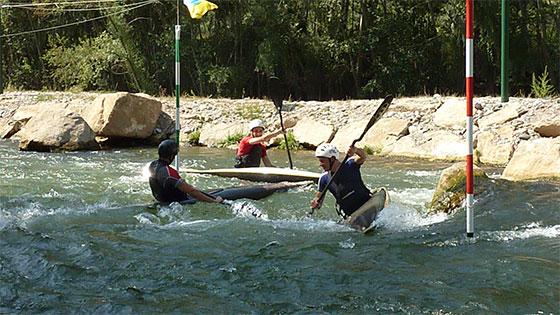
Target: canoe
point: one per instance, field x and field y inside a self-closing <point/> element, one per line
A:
<point x="261" y="174"/>
<point x="254" y="192"/>
<point x="363" y="218"/>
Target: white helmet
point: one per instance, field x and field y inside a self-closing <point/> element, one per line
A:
<point x="326" y="150"/>
<point x="255" y="123"/>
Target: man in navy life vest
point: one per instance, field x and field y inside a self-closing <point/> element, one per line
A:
<point x="165" y="182"/>
<point x="348" y="188"/>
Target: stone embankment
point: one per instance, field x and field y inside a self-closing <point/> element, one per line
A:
<point x="521" y="135"/>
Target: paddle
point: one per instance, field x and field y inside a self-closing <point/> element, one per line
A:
<point x="374" y="118"/>
<point x="276" y="93"/>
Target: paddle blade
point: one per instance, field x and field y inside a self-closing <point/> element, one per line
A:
<point x="275" y="91"/>
<point x="381" y="110"/>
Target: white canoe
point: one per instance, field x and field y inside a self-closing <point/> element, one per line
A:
<point x="261" y="174"/>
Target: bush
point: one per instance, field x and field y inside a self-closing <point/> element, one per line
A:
<point x="542" y="87"/>
<point x="231" y="140"/>
<point x="293" y="144"/>
<point x="94" y="63"/>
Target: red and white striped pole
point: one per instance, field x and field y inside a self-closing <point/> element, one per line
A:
<point x="469" y="45"/>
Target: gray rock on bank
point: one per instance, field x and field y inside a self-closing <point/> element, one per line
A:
<point x="123" y="115"/>
<point x="417" y="127"/>
<point x="57" y="129"/>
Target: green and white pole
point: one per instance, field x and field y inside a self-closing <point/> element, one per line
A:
<point x="505" y="52"/>
<point x="177" y="84"/>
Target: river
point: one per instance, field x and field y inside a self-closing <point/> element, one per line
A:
<point x="77" y="236"/>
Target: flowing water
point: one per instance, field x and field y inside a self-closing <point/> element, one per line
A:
<point x="77" y="236"/>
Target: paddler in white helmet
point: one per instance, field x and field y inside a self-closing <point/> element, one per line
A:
<point x="251" y="148"/>
<point x="348" y="188"/>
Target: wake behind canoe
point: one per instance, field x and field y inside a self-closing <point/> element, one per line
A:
<point x="261" y="174"/>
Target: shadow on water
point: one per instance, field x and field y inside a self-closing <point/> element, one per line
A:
<point x="77" y="233"/>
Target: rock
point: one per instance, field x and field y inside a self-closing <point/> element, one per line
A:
<point x="549" y="128"/>
<point x="345" y="135"/>
<point x="452" y="114"/>
<point x="439" y="144"/>
<point x="123" y="115"/>
<point x="451" y="189"/>
<point x="57" y="129"/>
<point x="385" y="133"/>
<point x="165" y="126"/>
<point x="495" y="147"/>
<point x="504" y="115"/>
<point x="321" y="132"/>
<point x="213" y="134"/>
<point x="539" y="158"/>
<point x="21" y="116"/>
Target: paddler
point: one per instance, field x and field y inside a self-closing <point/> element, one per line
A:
<point x="252" y="149"/>
<point x="165" y="182"/>
<point x="351" y="194"/>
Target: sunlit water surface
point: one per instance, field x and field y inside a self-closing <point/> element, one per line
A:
<point x="76" y="235"/>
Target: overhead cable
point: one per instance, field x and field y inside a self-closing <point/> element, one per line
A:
<point x="137" y="5"/>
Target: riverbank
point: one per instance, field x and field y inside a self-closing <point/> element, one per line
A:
<point x="522" y="135"/>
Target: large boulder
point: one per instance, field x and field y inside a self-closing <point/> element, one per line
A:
<point x="502" y="116"/>
<point x="495" y="146"/>
<point x="452" y="187"/>
<point x="57" y="129"/>
<point x="165" y="127"/>
<point x="534" y="159"/>
<point x="452" y="114"/>
<point x="311" y="133"/>
<point x="385" y="133"/>
<point x="20" y="117"/>
<point x="213" y="134"/>
<point x="123" y="115"/>
<point x="345" y="135"/>
<point x="439" y="144"/>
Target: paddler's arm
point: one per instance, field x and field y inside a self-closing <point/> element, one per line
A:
<point x="315" y="204"/>
<point x="267" y="162"/>
<point x="265" y="138"/>
<point x="195" y="193"/>
<point x="360" y="155"/>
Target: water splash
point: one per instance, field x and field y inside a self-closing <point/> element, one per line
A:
<point x="247" y="209"/>
<point x="527" y="231"/>
<point x="399" y="218"/>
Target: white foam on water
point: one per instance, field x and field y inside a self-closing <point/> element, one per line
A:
<point x="412" y="196"/>
<point x="247" y="209"/>
<point x="531" y="230"/>
<point x="422" y="173"/>
<point x="347" y="244"/>
<point x="399" y="218"/>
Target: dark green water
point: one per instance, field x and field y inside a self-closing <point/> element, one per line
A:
<point x="75" y="238"/>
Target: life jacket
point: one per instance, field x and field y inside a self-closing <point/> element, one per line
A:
<point x="251" y="159"/>
<point x="349" y="189"/>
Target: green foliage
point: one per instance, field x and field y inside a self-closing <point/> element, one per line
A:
<point x="321" y="49"/>
<point x="371" y="151"/>
<point x="92" y="64"/>
<point x="541" y="87"/>
<point x="44" y="98"/>
<point x="231" y="140"/>
<point x="194" y="137"/>
<point x="219" y="76"/>
<point x="293" y="144"/>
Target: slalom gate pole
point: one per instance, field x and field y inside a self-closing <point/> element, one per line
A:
<point x="469" y="95"/>
<point x="177" y="84"/>
<point x="505" y="52"/>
